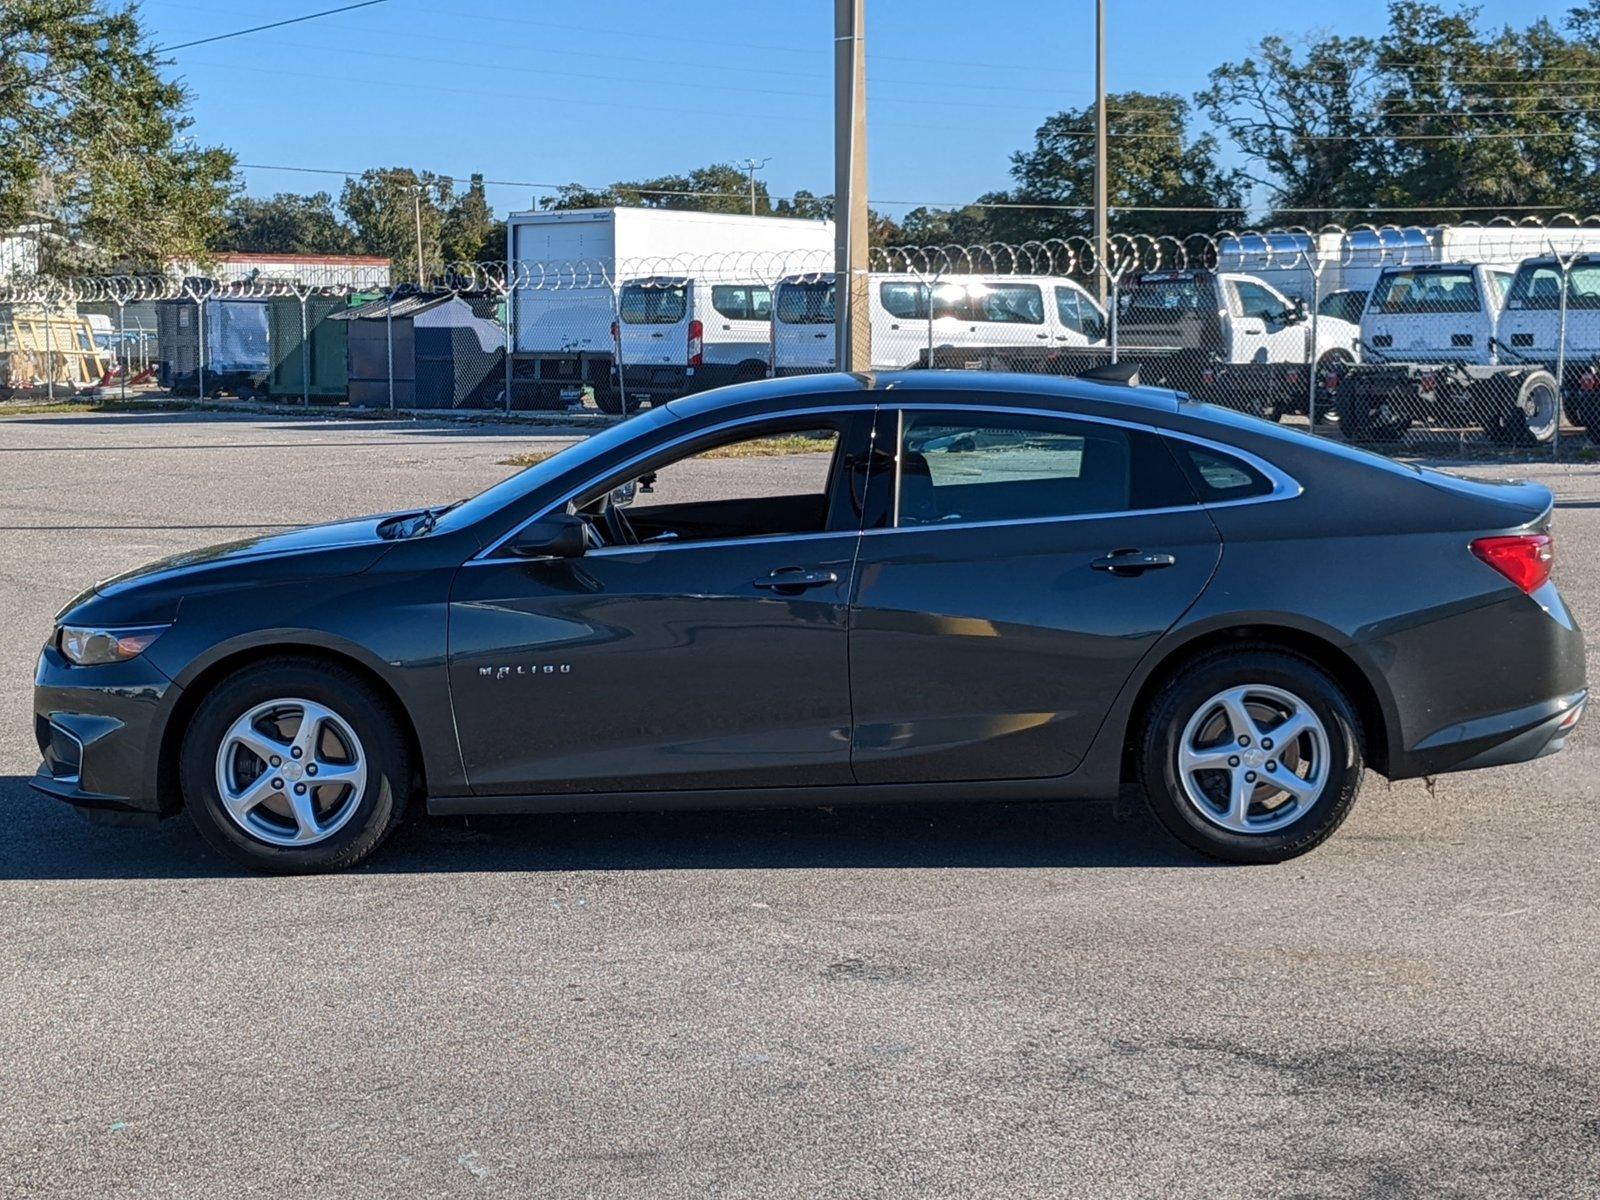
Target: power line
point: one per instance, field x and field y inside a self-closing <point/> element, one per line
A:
<point x="222" y="37"/>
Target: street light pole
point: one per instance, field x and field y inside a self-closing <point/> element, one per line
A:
<point x="1101" y="214"/>
<point x="853" y="328"/>
<point x="752" y="165"/>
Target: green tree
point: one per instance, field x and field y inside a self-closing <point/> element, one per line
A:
<point x="287" y="223"/>
<point x="1434" y="114"/>
<point x="720" y="187"/>
<point x="92" y="138"/>
<point x="384" y="206"/>
<point x="469" y="232"/>
<point x="1152" y="164"/>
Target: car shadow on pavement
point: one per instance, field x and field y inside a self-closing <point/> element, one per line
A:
<point x="43" y="839"/>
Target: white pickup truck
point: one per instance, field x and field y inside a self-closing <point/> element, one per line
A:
<point x="1227" y="338"/>
<point x="1530" y="330"/>
<point x="1430" y="352"/>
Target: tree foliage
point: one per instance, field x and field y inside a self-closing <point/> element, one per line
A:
<point x="1435" y="114"/>
<point x="384" y="208"/>
<point x="287" y="223"/>
<point x="92" y="139"/>
<point x="1153" y="163"/>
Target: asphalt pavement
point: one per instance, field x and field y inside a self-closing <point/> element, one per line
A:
<point x="962" y="1000"/>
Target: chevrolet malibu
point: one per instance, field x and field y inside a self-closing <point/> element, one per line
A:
<point x="829" y="590"/>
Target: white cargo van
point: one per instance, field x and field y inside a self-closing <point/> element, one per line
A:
<point x="683" y="335"/>
<point x="570" y="270"/>
<point x="915" y="316"/>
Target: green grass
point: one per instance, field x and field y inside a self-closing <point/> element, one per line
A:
<point x="29" y="408"/>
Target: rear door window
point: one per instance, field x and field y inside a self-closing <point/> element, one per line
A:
<point x="654" y="304"/>
<point x="906" y="300"/>
<point x="1008" y="303"/>
<point x="807" y="303"/>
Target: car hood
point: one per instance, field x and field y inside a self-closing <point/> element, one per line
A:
<point x="341" y="547"/>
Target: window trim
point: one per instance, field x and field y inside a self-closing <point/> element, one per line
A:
<point x="1284" y="486"/>
<point x="489" y="553"/>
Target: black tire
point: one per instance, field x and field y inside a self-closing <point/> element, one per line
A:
<point x="381" y="805"/>
<point x="1334" y="362"/>
<point x="1532" y="416"/>
<point x="1361" y="419"/>
<point x="1188" y="691"/>
<point x="608" y="399"/>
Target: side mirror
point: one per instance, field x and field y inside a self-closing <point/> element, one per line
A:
<point x="623" y="494"/>
<point x="560" y="535"/>
<point x="1297" y="312"/>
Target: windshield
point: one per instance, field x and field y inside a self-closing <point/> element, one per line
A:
<point x="508" y="491"/>
<point x="1537" y="287"/>
<point x="1157" y="301"/>
<point x="1405" y="293"/>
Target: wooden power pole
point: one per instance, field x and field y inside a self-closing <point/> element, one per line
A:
<point x="1101" y="211"/>
<point x="853" y="324"/>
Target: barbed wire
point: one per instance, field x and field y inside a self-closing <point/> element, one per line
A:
<point x="1290" y="248"/>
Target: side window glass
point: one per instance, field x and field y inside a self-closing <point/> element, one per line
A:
<point x="768" y="483"/>
<point x="908" y="301"/>
<point x="741" y="302"/>
<point x="1009" y="303"/>
<point x="1216" y="476"/>
<point x="1256" y="301"/>
<point x="956" y="468"/>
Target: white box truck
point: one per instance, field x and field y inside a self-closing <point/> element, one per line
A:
<point x="685" y="296"/>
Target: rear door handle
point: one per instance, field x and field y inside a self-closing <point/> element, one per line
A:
<point x="1133" y="562"/>
<point x="796" y="579"/>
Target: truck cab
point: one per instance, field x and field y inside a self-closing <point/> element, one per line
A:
<point x="1530" y="329"/>
<point x="1435" y="312"/>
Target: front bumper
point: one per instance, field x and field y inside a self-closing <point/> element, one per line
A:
<point x="99" y="733"/>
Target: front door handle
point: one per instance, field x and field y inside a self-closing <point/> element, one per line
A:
<point x="1133" y="562"/>
<point x="795" y="579"/>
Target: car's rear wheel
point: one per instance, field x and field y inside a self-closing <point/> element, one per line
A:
<point x="293" y="765"/>
<point x="1251" y="756"/>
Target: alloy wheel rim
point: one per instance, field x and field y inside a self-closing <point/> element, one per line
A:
<point x="291" y="772"/>
<point x="1253" y="759"/>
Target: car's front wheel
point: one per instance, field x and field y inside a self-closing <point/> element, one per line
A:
<point x="1251" y="755"/>
<point x="294" y="765"/>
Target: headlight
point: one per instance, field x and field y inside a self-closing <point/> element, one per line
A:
<point x="90" y="647"/>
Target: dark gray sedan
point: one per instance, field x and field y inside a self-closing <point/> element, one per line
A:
<point x="835" y="590"/>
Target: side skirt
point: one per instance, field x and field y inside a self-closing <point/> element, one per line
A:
<point x="1065" y="788"/>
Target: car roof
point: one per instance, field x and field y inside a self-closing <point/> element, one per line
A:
<point x="1063" y="392"/>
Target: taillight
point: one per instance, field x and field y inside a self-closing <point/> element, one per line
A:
<point x="1428" y="382"/>
<point x="1590" y="381"/>
<point x="1292" y="377"/>
<point x="1523" y="558"/>
<point x="697" y="342"/>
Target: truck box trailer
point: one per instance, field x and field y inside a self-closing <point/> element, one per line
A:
<point x="572" y="266"/>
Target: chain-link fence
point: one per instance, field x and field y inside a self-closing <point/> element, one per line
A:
<point x="1441" y="339"/>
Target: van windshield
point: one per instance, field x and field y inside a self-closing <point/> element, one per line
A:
<point x="805" y="303"/>
<point x="654" y="303"/>
<point x="1406" y="293"/>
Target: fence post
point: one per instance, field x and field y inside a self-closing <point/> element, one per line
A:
<point x="1561" y="356"/>
<point x="1113" y="306"/>
<point x="388" y="333"/>
<point x="305" y="350"/>
<point x="1311" y="339"/>
<point x="49" y="350"/>
<point x="122" y="341"/>
<point x="200" y="354"/>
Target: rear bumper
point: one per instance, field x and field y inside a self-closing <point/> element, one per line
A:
<point x="1498" y="740"/>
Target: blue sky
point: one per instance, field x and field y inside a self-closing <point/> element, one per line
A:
<point x="555" y="91"/>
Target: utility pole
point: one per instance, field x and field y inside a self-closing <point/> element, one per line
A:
<point x="752" y="165"/>
<point x="853" y="328"/>
<point x="422" y="270"/>
<point x="1101" y="213"/>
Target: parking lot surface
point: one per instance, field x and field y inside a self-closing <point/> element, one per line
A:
<point x="960" y="1000"/>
